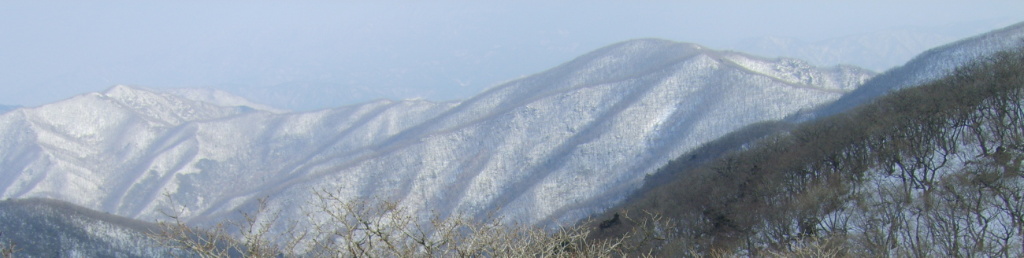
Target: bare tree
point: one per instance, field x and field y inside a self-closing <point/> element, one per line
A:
<point x="254" y="231"/>
<point x="372" y="228"/>
<point x="8" y="248"/>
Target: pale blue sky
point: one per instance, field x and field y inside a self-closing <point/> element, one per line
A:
<point x="338" y="53"/>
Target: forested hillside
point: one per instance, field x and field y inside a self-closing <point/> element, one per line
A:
<point x="925" y="68"/>
<point x="933" y="170"/>
<point x="39" y="227"/>
<point x="550" y="148"/>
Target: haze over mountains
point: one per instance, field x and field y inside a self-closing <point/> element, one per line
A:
<point x="553" y="147"/>
<point x="5" y="108"/>
<point x="558" y="145"/>
<point x="877" y="51"/>
<point x="930" y="65"/>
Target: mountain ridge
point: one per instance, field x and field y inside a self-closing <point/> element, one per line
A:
<point x="927" y="66"/>
<point x="547" y="149"/>
<point x="52" y="228"/>
<point x="551" y="147"/>
<point x="928" y="170"/>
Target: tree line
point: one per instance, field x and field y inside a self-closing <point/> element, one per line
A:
<point x="933" y="170"/>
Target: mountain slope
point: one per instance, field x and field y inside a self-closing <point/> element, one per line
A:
<point x="563" y="143"/>
<point x="109" y="152"/>
<point x="877" y="51"/>
<point x="933" y="170"/>
<point x="49" y="228"/>
<point x="552" y="147"/>
<point x="930" y="65"/>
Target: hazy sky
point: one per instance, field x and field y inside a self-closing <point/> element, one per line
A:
<point x="305" y="55"/>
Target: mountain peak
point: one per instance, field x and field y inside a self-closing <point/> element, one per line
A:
<point x="653" y="43"/>
<point x="165" y="107"/>
<point x="554" y="146"/>
<point x="122" y="89"/>
<point x="639" y="56"/>
<point x="639" y="51"/>
<point x="128" y="94"/>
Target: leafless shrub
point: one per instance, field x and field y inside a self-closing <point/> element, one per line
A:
<point x="340" y="227"/>
<point x="255" y="239"/>
<point x="8" y="248"/>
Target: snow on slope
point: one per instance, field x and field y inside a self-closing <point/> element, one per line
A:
<point x="938" y="62"/>
<point x="50" y="228"/>
<point x="928" y="66"/>
<point x="80" y="148"/>
<point x="552" y="147"/>
<point x="878" y="51"/>
<point x="110" y="152"/>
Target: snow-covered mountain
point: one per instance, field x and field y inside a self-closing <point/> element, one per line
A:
<point x="878" y="51"/>
<point x="51" y="228"/>
<point x="555" y="146"/>
<point x="929" y="66"/>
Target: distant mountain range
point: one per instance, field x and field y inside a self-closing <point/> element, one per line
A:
<point x="5" y="108"/>
<point x="553" y="147"/>
<point x="878" y="51"/>
<point x="928" y="66"/>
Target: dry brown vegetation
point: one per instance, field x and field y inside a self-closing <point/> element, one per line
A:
<point x="928" y="171"/>
<point x="7" y="248"/>
<point x="345" y="228"/>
